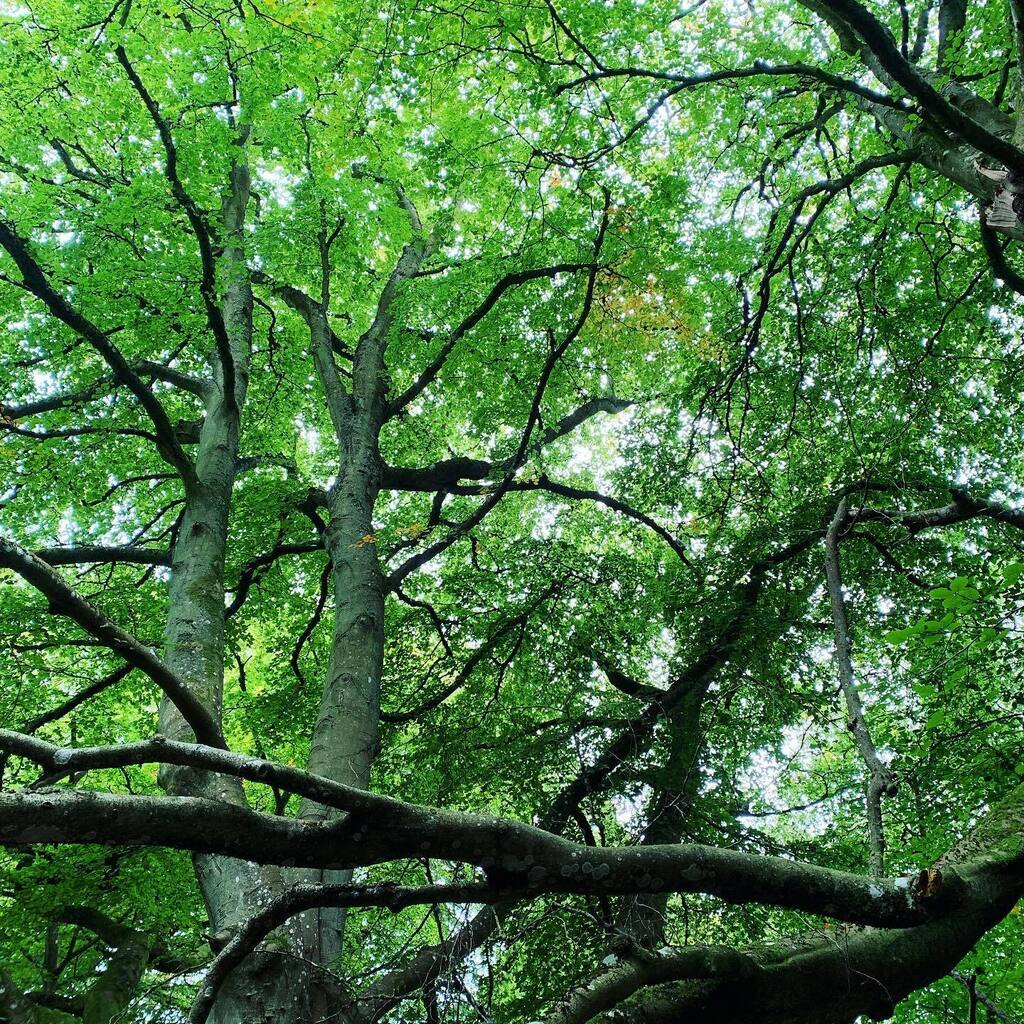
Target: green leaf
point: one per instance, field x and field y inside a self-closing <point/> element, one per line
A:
<point x="1013" y="572"/>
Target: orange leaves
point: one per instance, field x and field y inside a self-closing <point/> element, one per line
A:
<point x="412" y="532"/>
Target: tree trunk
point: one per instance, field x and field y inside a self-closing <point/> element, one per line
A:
<point x="643" y="917"/>
<point x="346" y="738"/>
<point x="194" y="640"/>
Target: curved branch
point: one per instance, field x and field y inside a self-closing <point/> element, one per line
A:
<point x="36" y="281"/>
<point x="448" y="472"/>
<point x="878" y="40"/>
<point x="510" y="624"/>
<point x="507" y="283"/>
<point x="208" y="283"/>
<point x="300" y="898"/>
<point x="760" y="69"/>
<point x="581" y="494"/>
<point x="65" y="601"/>
<point x="997" y="259"/>
<point x="377" y="829"/>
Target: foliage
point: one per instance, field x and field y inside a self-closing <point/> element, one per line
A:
<point x="772" y="334"/>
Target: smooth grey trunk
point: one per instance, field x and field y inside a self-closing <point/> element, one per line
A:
<point x="346" y="737"/>
<point x="194" y="637"/>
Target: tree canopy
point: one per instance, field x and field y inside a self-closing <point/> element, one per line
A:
<point x="511" y="512"/>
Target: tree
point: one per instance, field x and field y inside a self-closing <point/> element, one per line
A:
<point x="511" y="512"/>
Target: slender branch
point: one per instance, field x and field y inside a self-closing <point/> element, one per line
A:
<point x="760" y="69"/>
<point x="993" y="1008"/>
<point x="249" y="572"/>
<point x="208" y="282"/>
<point x="66" y="707"/>
<point x="510" y="281"/>
<point x="880" y="780"/>
<point x="36" y="281"/>
<point x="449" y="472"/>
<point x="557" y="351"/>
<point x="87" y="693"/>
<point x="482" y="652"/>
<point x="300" y="898"/>
<point x="65" y="601"/>
<point x="582" y="494"/>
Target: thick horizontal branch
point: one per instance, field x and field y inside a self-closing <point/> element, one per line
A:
<point x="441" y="475"/>
<point x="857" y="975"/>
<point x="627" y="684"/>
<point x="47" y="403"/>
<point x="962" y="508"/>
<point x="92" y="553"/>
<point x="377" y="829"/>
<point x="182" y="381"/>
<point x="630" y="974"/>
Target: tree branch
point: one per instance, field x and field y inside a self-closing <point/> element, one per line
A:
<point x="880" y="780"/>
<point x="378" y="829"/>
<point x="36" y="281"/>
<point x="96" y="553"/>
<point x="208" y="282"/>
<point x="65" y="601"/>
<point x="449" y="472"/>
<point x="507" y="283"/>
<point x="877" y="38"/>
<point x="300" y="898"/>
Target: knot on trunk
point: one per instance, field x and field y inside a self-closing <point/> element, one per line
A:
<point x="928" y="884"/>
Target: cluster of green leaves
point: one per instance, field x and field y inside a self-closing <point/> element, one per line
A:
<point x="886" y="354"/>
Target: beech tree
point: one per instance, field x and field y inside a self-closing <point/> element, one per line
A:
<point x="511" y="512"/>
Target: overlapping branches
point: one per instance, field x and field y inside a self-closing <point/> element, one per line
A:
<point x="524" y="859"/>
<point x="63" y="600"/>
<point x="197" y="222"/>
<point x="38" y="284"/>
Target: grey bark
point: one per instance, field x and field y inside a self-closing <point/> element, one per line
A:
<point x="880" y="780"/>
<point x="232" y="889"/>
<point x="643" y="917"/>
